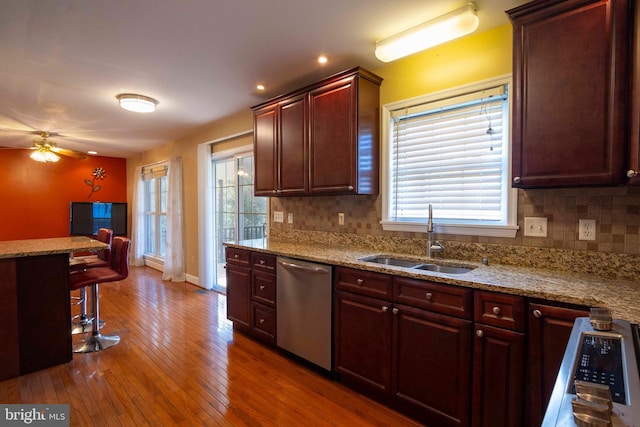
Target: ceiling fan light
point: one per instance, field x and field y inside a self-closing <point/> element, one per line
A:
<point x="137" y="103"/>
<point x="43" y="155"/>
<point x="452" y="25"/>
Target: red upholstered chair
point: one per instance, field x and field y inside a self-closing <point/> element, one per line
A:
<point x="118" y="270"/>
<point x="82" y="322"/>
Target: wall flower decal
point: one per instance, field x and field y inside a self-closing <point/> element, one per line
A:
<point x="98" y="173"/>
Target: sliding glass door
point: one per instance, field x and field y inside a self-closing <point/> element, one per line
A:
<point x="238" y="215"/>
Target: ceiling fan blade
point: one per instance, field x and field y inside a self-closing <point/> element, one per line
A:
<point x="69" y="153"/>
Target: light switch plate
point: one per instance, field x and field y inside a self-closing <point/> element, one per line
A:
<point x="290" y="218"/>
<point x="278" y="216"/>
<point x="535" y="226"/>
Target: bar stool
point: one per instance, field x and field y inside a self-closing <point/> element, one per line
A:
<point x="118" y="270"/>
<point x="82" y="323"/>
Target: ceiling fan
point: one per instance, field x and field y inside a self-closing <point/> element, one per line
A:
<point x="47" y="151"/>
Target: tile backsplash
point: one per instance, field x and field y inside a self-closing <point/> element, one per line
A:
<point x="616" y="211"/>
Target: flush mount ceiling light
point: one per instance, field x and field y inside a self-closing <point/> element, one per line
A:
<point x="137" y="103"/>
<point x="452" y="25"/>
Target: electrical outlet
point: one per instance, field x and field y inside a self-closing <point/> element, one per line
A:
<point x="341" y="218"/>
<point x="535" y="226"/>
<point x="587" y="229"/>
<point x="278" y="216"/>
<point x="290" y="218"/>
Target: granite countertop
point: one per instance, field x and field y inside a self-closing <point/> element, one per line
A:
<point x="56" y="245"/>
<point x="621" y="296"/>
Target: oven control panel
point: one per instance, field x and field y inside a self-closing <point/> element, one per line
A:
<point x="600" y="361"/>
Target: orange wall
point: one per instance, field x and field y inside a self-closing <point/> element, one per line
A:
<point x="34" y="197"/>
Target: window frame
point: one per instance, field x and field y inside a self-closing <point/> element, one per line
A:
<point x="157" y="214"/>
<point x="508" y="228"/>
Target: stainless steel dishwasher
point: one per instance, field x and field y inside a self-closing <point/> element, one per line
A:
<point x="303" y="301"/>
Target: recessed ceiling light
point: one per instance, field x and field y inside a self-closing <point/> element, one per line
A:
<point x="260" y="87"/>
<point x="137" y="103"/>
<point x="93" y="153"/>
<point x="322" y="59"/>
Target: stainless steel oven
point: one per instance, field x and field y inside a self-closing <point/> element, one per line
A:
<point x="598" y="383"/>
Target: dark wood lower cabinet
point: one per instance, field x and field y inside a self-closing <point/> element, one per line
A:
<point x="239" y="296"/>
<point x="432" y="366"/>
<point x="362" y="343"/>
<point x="498" y="377"/>
<point x="548" y="334"/>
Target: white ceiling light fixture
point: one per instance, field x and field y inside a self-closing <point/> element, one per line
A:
<point x="452" y="25"/>
<point x="137" y="103"/>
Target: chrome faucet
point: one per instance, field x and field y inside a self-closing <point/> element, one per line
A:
<point x="432" y="246"/>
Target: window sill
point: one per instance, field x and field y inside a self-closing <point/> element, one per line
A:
<point x="154" y="262"/>
<point x="508" y="231"/>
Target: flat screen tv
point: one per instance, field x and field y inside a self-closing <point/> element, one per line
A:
<point x="85" y="218"/>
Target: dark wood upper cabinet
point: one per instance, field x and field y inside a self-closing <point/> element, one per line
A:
<point x="322" y="139"/>
<point x="633" y="173"/>
<point x="570" y="100"/>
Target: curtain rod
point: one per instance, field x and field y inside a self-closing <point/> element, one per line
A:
<point x="234" y="136"/>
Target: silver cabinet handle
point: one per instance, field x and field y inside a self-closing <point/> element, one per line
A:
<point x="261" y="321"/>
<point x="631" y="173"/>
<point x="496" y="310"/>
<point x="359" y="281"/>
<point x="262" y="262"/>
<point x="537" y="314"/>
<point x="262" y="287"/>
<point x="395" y="311"/>
<point x="517" y="180"/>
<point x="428" y="296"/>
<point x="351" y="187"/>
<point x="236" y="256"/>
<point x="385" y="308"/>
<point x="479" y="333"/>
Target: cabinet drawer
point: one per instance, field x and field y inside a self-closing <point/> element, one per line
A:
<point x="501" y="310"/>
<point x="434" y="297"/>
<point x="363" y="282"/>
<point x="263" y="287"/>
<point x="264" y="262"/>
<point x="238" y="256"/>
<point x="264" y="322"/>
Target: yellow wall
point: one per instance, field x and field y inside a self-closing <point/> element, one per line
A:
<point x="473" y="58"/>
<point x="187" y="148"/>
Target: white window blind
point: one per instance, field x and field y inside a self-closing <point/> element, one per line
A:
<point x="450" y="153"/>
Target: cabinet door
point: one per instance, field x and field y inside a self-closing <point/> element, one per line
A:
<point x="292" y="146"/>
<point x="432" y="366"/>
<point x="239" y="296"/>
<point x="570" y="93"/>
<point x="264" y="151"/>
<point x="498" y="377"/>
<point x="549" y="330"/>
<point x="362" y="343"/>
<point x="333" y="151"/>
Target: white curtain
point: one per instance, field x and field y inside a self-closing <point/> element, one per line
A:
<point x="174" y="258"/>
<point x="137" y="220"/>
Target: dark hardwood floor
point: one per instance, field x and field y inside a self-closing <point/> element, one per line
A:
<point x="179" y="363"/>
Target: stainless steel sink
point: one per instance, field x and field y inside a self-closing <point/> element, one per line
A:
<point x="392" y="261"/>
<point x="418" y="265"/>
<point x="443" y="268"/>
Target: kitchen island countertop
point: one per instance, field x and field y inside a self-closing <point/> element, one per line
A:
<point x="55" y="245"/>
<point x="621" y="296"/>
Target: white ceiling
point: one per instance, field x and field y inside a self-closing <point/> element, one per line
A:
<point x="63" y="62"/>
